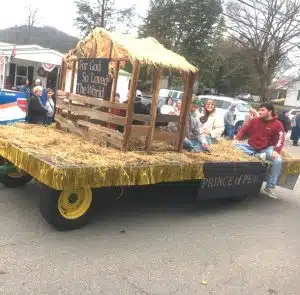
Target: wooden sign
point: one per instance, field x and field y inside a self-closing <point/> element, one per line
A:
<point x="92" y="77"/>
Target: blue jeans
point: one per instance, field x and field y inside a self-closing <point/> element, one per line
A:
<point x="192" y="145"/>
<point x="229" y="131"/>
<point x="276" y="163"/>
<point x="196" y="145"/>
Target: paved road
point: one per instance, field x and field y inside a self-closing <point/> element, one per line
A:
<point x="153" y="244"/>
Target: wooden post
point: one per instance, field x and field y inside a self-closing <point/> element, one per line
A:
<point x="131" y="100"/>
<point x="110" y="48"/>
<point x="73" y="76"/>
<point x="156" y="85"/>
<point x="93" y="52"/>
<point x="62" y="76"/>
<point x="186" y="105"/>
<point x="115" y="81"/>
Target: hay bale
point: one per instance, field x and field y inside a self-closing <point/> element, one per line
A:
<point x="67" y="149"/>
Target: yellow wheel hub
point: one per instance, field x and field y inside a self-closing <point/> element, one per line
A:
<point x="74" y="204"/>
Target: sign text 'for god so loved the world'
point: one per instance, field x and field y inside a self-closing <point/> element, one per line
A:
<point x="92" y="77"/>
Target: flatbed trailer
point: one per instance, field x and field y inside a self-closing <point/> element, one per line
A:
<point x="85" y="101"/>
<point x="70" y="205"/>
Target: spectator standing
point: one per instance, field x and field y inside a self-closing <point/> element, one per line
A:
<point x="50" y="106"/>
<point x="295" y="135"/>
<point x="229" y="121"/>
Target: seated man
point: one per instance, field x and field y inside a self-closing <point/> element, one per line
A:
<point x="192" y="142"/>
<point x="265" y="139"/>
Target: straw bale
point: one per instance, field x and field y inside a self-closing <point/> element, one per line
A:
<point x="146" y="50"/>
<point x="67" y="149"/>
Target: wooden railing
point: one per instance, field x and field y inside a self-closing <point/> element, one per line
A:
<point x="92" y="118"/>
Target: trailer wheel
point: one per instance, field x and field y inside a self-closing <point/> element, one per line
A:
<point x="67" y="210"/>
<point x="15" y="179"/>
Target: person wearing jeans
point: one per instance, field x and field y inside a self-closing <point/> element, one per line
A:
<point x="265" y="154"/>
<point x="265" y="140"/>
<point x="229" y="121"/>
<point x="192" y="141"/>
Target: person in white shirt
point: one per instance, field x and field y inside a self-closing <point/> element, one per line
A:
<point x="168" y="108"/>
<point x="50" y="106"/>
<point x="212" y="127"/>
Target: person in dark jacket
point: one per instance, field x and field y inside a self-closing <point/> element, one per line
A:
<point x="295" y="129"/>
<point x="36" y="113"/>
<point x="283" y="117"/>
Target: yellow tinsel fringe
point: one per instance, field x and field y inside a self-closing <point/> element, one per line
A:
<point x="61" y="178"/>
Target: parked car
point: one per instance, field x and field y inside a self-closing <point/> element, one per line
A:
<point x="13" y="105"/>
<point x="222" y="105"/>
<point x="245" y="96"/>
<point x="174" y="94"/>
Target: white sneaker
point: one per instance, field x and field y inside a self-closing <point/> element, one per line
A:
<point x="261" y="156"/>
<point x="270" y="193"/>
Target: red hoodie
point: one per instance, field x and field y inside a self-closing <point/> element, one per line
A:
<point x="263" y="133"/>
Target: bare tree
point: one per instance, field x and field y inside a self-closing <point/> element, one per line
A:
<point x="101" y="13"/>
<point x="31" y="21"/>
<point x="269" y="30"/>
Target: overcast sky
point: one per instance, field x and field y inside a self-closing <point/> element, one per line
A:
<point x="57" y="13"/>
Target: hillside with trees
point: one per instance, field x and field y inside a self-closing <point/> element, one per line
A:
<point x="48" y="37"/>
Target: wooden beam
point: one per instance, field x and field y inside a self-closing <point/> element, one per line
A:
<point x="131" y="100"/>
<point x="62" y="77"/>
<point x="121" y="59"/>
<point x="160" y="135"/>
<point x="68" y="124"/>
<point x="110" y="48"/>
<point x="73" y="76"/>
<point x="156" y="85"/>
<point x="90" y="100"/>
<point x="93" y="52"/>
<point x="115" y="81"/>
<point x="187" y="101"/>
<point x="101" y="129"/>
<point x="92" y="114"/>
<point x="96" y="138"/>
<point x="159" y="118"/>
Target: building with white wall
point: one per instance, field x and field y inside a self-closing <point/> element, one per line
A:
<point x="28" y="61"/>
<point x="293" y="93"/>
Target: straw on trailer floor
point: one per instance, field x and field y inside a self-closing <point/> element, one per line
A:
<point x="63" y="160"/>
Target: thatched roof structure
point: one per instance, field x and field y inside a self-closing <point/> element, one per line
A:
<point x="148" y="51"/>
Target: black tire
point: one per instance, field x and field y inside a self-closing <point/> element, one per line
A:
<point x="14" y="182"/>
<point x="238" y="127"/>
<point x="50" y="212"/>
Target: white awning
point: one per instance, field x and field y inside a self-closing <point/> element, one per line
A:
<point x="33" y="53"/>
<point x="49" y="57"/>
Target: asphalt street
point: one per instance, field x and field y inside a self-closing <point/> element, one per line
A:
<point x="153" y="243"/>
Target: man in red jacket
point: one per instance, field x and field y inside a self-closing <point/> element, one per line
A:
<point x="265" y="140"/>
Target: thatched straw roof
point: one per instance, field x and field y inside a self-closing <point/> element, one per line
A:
<point x="146" y="50"/>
